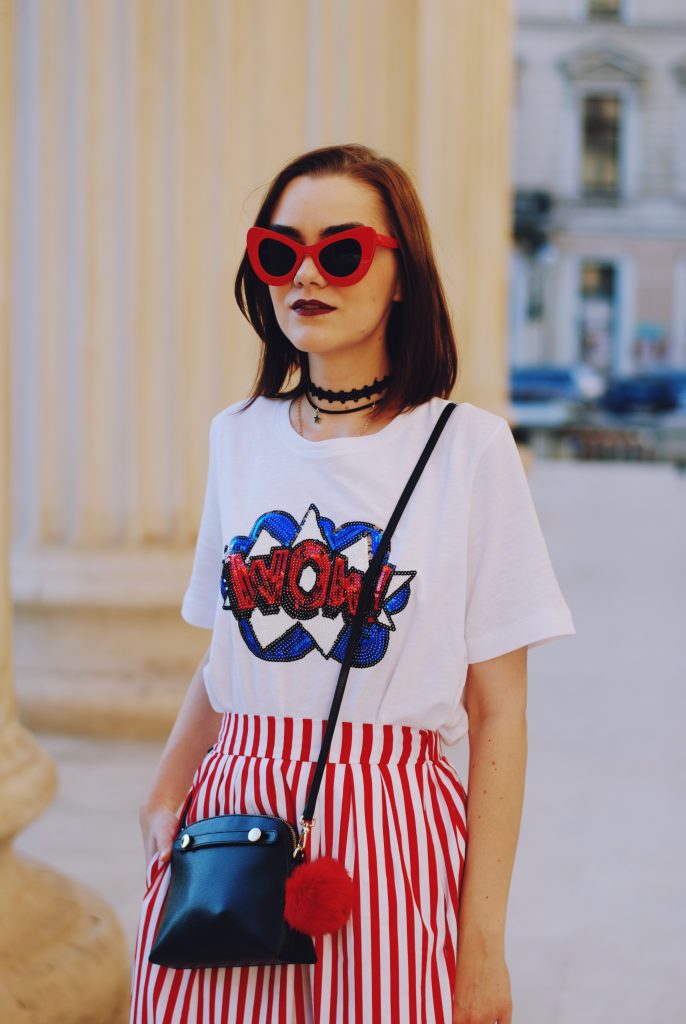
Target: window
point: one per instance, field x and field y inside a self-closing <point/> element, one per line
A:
<point x="606" y="10"/>
<point x="598" y="312"/>
<point x="601" y="143"/>
<point x="600" y="175"/>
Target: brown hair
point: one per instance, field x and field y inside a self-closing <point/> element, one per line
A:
<point x="419" y="335"/>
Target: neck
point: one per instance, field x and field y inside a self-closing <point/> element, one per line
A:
<point x="344" y="377"/>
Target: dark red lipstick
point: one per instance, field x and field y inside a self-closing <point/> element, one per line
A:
<point x="311" y="307"/>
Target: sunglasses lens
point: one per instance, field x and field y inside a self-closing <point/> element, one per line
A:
<point x="341" y="259"/>
<point x="275" y="257"/>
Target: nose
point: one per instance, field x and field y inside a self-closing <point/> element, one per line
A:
<point x="307" y="271"/>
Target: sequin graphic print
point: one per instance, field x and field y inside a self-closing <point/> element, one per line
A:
<point x="293" y="587"/>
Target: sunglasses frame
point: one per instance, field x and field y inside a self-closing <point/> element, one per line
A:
<point x="368" y="238"/>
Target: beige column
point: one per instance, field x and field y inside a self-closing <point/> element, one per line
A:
<point x="361" y="73"/>
<point x="62" y="952"/>
<point x="464" y="83"/>
<point x="148" y="129"/>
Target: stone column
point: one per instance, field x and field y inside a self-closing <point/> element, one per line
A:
<point x="146" y="132"/>
<point x="464" y="99"/>
<point x="62" y="953"/>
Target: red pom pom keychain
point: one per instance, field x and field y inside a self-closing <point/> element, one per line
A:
<point x="319" y="893"/>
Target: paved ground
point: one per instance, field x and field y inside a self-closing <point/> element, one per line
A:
<point x="595" y="924"/>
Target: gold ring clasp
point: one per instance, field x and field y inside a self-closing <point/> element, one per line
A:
<point x="302" y="838"/>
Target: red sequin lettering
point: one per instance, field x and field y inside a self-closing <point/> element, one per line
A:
<point x="314" y="554"/>
<point x="345" y="586"/>
<point x="267" y="580"/>
<point x="242" y="593"/>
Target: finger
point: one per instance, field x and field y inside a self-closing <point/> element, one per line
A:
<point x="165" y="846"/>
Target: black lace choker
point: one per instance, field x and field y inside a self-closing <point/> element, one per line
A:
<point x="349" y="396"/>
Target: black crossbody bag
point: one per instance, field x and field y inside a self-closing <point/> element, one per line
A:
<point x="232" y="875"/>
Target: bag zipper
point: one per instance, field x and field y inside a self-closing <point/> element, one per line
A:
<point x="288" y="825"/>
<point x="298" y="843"/>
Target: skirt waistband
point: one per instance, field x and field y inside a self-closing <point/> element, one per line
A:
<point x="300" y="739"/>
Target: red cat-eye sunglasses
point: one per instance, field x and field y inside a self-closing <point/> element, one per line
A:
<point x="343" y="258"/>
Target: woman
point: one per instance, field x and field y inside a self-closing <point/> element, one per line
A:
<point x="301" y="482"/>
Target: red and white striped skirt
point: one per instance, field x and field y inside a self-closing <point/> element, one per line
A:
<point x="393" y="809"/>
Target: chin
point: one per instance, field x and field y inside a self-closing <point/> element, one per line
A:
<point x="319" y="350"/>
<point x="311" y="340"/>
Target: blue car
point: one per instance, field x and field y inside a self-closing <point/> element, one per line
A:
<point x="549" y="395"/>
<point x="545" y="382"/>
<point x="655" y="391"/>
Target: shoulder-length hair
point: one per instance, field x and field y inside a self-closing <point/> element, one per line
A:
<point x="419" y="335"/>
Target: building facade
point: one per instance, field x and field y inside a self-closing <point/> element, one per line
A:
<point x="598" y="272"/>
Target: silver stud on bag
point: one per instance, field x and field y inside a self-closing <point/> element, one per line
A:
<point x="185" y="842"/>
<point x="254" y="835"/>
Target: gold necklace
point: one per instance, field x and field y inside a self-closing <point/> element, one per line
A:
<point x="300" y="418"/>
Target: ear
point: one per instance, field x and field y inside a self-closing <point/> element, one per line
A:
<point x="398" y="293"/>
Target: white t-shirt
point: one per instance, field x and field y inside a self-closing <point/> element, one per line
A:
<point x="289" y="526"/>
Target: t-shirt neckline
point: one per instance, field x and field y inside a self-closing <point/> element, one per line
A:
<point x="331" y="446"/>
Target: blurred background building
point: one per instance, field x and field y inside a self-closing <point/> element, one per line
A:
<point x="599" y="172"/>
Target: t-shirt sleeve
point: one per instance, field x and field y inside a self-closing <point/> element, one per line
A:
<point x="200" y="600"/>
<point x="513" y="596"/>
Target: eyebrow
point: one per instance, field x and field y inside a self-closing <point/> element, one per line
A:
<point x="333" y="229"/>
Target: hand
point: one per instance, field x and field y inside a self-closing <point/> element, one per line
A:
<point x="482" y="988"/>
<point x="159" y="826"/>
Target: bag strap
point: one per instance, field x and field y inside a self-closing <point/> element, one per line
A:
<point x="368" y="582"/>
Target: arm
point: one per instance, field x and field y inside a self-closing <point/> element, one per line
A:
<point x="495" y="698"/>
<point x="194" y="731"/>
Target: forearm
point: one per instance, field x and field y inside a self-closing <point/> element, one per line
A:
<point x="497" y="769"/>
<point x="194" y="731"/>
